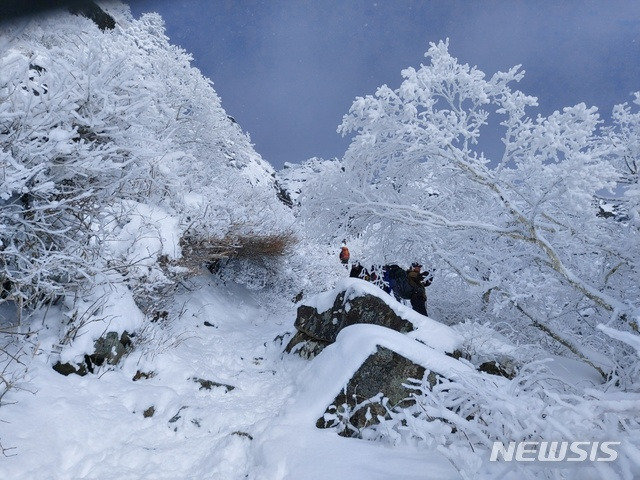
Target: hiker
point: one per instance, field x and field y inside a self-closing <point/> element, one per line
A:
<point x="372" y="276"/>
<point x="418" y="280"/>
<point x="344" y="255"/>
<point x="388" y="282"/>
<point x="358" y="271"/>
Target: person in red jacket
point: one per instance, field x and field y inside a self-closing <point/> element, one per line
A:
<point x="344" y="255"/>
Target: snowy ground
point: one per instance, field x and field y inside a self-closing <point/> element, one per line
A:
<point x="93" y="427"/>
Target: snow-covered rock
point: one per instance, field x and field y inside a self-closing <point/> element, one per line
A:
<point x="353" y="301"/>
<point x="381" y="382"/>
<point x="294" y="448"/>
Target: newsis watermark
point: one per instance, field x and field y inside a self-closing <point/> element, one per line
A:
<point x="543" y="451"/>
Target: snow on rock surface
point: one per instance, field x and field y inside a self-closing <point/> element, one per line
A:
<point x="293" y="448"/>
<point x="94" y="427"/>
<point x="430" y="332"/>
<point x="335" y="365"/>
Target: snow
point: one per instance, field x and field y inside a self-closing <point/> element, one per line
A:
<point x="148" y="232"/>
<point x="259" y="423"/>
<point x="112" y="309"/>
<point x="322" y="455"/>
<point x="430" y="332"/>
<point x="208" y="392"/>
<point x="626" y="337"/>
<point x="573" y="372"/>
<point x="93" y="427"/>
<point x="294" y="449"/>
<point x="60" y="135"/>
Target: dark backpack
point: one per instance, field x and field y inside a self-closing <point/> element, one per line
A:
<point x="398" y="281"/>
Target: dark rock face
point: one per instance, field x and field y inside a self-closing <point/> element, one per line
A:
<point x="305" y="346"/>
<point x="495" y="368"/>
<point x="148" y="413"/>
<point x="93" y="12"/>
<point x="108" y="348"/>
<point x="385" y="371"/>
<point x="67" y="369"/>
<point x="323" y="328"/>
<point x="378" y="385"/>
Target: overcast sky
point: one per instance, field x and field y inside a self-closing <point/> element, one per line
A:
<point x="289" y="70"/>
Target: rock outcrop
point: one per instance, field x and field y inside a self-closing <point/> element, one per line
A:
<point x="382" y="367"/>
<point x="325" y="326"/>
<point x="381" y="382"/>
<point x="397" y="366"/>
<point x="317" y="329"/>
<point x="93" y="12"/>
<point x="110" y="348"/>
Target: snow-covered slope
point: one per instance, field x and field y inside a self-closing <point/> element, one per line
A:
<point x="253" y="424"/>
<point x="94" y="426"/>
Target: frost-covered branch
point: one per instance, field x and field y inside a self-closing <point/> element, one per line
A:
<point x="526" y="224"/>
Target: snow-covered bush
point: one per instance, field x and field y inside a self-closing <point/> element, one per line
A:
<point x="623" y="138"/>
<point x="115" y="155"/>
<point x="305" y="270"/>
<point x="66" y="117"/>
<point x="463" y="418"/>
<point x="297" y="180"/>
<point x="13" y="353"/>
<point x="101" y="134"/>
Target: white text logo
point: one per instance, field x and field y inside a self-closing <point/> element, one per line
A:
<point x="555" y="451"/>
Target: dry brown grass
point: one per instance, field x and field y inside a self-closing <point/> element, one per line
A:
<point x="199" y="251"/>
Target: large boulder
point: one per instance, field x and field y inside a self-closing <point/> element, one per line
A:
<point x="381" y="382"/>
<point x="373" y="373"/>
<point x="317" y="327"/>
<point x="325" y="326"/>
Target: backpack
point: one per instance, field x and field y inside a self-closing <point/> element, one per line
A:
<point x="344" y="253"/>
<point x="398" y="281"/>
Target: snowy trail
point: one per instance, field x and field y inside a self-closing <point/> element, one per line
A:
<point x="93" y="427"/>
<point x="243" y="427"/>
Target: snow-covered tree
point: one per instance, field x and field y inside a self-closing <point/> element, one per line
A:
<point x="623" y="138"/>
<point x="67" y="114"/>
<point x="115" y="153"/>
<point x="297" y="180"/>
<point x="521" y="231"/>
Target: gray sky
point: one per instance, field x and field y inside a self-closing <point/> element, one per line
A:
<point x="289" y="70"/>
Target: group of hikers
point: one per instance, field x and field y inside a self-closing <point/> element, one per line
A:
<point x="403" y="284"/>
